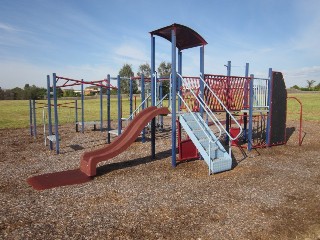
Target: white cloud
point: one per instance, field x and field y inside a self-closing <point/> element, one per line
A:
<point x="132" y="52"/>
<point x="7" y="27"/>
<point x="301" y="75"/>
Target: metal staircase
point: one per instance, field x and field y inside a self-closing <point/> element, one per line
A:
<point x="207" y="143"/>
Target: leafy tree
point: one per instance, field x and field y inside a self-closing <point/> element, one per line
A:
<point x="18" y="93"/>
<point x="317" y="88"/>
<point x="68" y="93"/>
<point x="296" y="87"/>
<point x="1" y="94"/>
<point x="126" y="71"/>
<point x="310" y="83"/>
<point x="145" y="70"/>
<point x="164" y="70"/>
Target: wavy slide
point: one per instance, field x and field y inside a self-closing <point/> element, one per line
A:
<point x="89" y="160"/>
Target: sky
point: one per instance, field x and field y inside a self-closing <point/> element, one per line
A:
<point x="88" y="39"/>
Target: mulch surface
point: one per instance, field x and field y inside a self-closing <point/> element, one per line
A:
<point x="271" y="193"/>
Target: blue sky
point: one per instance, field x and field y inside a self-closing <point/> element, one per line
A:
<point x="90" y="39"/>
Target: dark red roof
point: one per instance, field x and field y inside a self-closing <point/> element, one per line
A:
<point x="185" y="36"/>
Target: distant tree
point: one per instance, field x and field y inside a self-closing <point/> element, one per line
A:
<point x="58" y="91"/>
<point x="18" y="93"/>
<point x="296" y="87"/>
<point x="310" y="83"/>
<point x="68" y="93"/>
<point x="1" y="94"/>
<point x="126" y="72"/>
<point x="164" y="70"/>
<point x="317" y="87"/>
<point x="144" y="69"/>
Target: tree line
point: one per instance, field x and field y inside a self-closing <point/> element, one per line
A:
<point x="28" y="92"/>
<point x="310" y="86"/>
<point x="34" y="92"/>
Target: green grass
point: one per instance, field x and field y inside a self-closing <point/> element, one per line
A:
<point x="310" y="106"/>
<point x="15" y="113"/>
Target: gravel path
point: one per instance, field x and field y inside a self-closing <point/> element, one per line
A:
<point x="270" y="194"/>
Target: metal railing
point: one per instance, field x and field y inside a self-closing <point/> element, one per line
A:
<point x="260" y="93"/>
<point x="202" y="128"/>
<point x="202" y="103"/>
<point x="137" y="110"/>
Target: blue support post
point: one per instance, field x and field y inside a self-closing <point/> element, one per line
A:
<point x="49" y="111"/>
<point x="30" y="115"/>
<point x="245" y="92"/>
<point x="202" y="75"/>
<point x="34" y="119"/>
<point x="174" y="95"/>
<point x="101" y="109"/>
<point x="153" y="98"/>
<point x="119" y="105"/>
<point x="82" y="107"/>
<point x="228" y="99"/>
<point x="76" y="114"/>
<point x="180" y="80"/>
<point x="143" y="105"/>
<point x="251" y="93"/>
<point x="160" y="97"/>
<point x="130" y="96"/>
<point x="270" y="83"/>
<point x="108" y="108"/>
<point x="56" y="121"/>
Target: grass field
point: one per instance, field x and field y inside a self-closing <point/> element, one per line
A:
<point x="15" y="113"/>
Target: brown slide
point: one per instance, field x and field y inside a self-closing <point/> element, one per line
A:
<point x="89" y="160"/>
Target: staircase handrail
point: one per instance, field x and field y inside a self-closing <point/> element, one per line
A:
<point x="136" y="110"/>
<point x="193" y="115"/>
<point x="226" y="109"/>
<point x="205" y="107"/>
<point x="162" y="100"/>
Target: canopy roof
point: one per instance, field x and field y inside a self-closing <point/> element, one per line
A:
<point x="185" y="36"/>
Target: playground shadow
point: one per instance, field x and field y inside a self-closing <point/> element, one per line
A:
<point x="76" y="147"/>
<point x="242" y="154"/>
<point x="289" y="132"/>
<point x="105" y="169"/>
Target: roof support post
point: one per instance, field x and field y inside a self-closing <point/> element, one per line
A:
<point x="108" y="107"/>
<point x="270" y="82"/>
<point x="228" y="100"/>
<point x="179" y="80"/>
<point x="56" y="121"/>
<point x="245" y="103"/>
<point x="119" y="105"/>
<point x="49" y="111"/>
<point x="174" y="96"/>
<point x="153" y="98"/>
<point x="202" y="75"/>
<point x="143" y="96"/>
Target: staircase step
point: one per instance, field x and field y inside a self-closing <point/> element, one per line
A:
<point x="221" y="164"/>
<point x="199" y="132"/>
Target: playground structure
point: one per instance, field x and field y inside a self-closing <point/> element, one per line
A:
<point x="216" y="112"/>
<point x="53" y="136"/>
